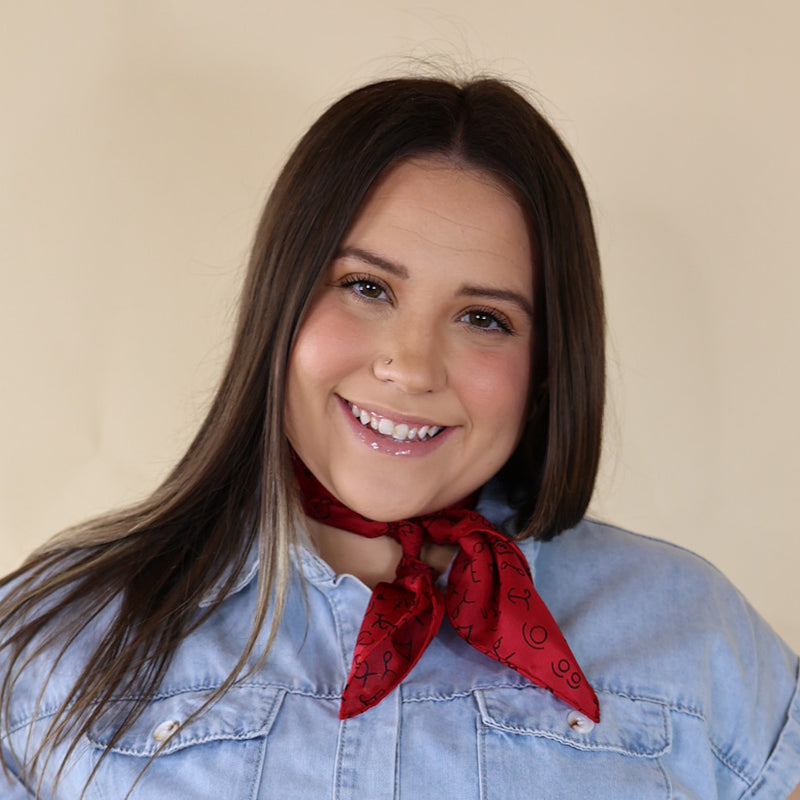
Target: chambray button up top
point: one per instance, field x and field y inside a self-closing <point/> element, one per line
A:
<point x="698" y="698"/>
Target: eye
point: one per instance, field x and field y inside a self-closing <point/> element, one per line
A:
<point x="364" y="287"/>
<point x="486" y="320"/>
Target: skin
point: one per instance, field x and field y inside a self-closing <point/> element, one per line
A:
<point x="436" y="274"/>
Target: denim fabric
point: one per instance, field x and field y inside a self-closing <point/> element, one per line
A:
<point x="698" y="698"/>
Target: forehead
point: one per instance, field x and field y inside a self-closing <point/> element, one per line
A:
<point x="430" y="206"/>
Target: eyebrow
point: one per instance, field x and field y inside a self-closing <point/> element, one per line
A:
<point x="471" y="290"/>
<point x="467" y="289"/>
<point x="375" y="260"/>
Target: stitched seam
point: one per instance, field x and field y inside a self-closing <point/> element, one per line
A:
<point x="165" y="695"/>
<point x="491" y="722"/>
<point x="667" y="781"/>
<point x="238" y="737"/>
<point x="650" y="698"/>
<point x="420" y="698"/>
<point x="726" y="761"/>
<point x="480" y="743"/>
<point x="687" y="712"/>
<point x="585" y="746"/>
<point x="13" y="727"/>
<point x="258" y="768"/>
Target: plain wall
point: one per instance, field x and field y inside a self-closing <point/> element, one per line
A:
<point x="139" y="141"/>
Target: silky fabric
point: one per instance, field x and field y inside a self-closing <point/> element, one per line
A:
<point x="490" y="601"/>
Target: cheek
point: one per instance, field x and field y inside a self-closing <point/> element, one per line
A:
<point x="495" y="386"/>
<point x="327" y="347"/>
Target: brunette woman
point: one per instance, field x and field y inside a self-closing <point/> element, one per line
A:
<point x="370" y="575"/>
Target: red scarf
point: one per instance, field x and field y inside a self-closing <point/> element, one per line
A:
<point x="490" y="601"/>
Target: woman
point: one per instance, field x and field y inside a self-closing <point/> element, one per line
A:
<point x="331" y="594"/>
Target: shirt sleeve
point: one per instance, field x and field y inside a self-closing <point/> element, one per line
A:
<point x="781" y="773"/>
<point x="754" y="722"/>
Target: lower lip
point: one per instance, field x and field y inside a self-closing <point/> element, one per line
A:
<point x="379" y="443"/>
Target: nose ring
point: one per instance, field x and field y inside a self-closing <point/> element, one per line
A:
<point x="388" y="361"/>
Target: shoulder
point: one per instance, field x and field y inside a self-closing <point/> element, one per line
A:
<point x="638" y="577"/>
<point x="650" y="619"/>
<point x="651" y="599"/>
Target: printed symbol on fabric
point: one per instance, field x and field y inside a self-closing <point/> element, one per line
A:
<point x="464" y="631"/>
<point x="534" y="636"/>
<point x="574" y="680"/>
<point x="371" y="700"/>
<point x="473" y="576"/>
<point x="422" y="618"/>
<point x="492" y="611"/>
<point x="383" y="624"/>
<point x="503" y="547"/>
<point x="503" y="659"/>
<point x="516" y="597"/>
<point x="514" y="568"/>
<point x="463" y="601"/>
<point x="409" y="536"/>
<point x="365" y="639"/>
<point x="363" y="674"/>
<point x="388" y="656"/>
<point x="405" y="649"/>
<point x="562" y="670"/>
<point x="402" y="602"/>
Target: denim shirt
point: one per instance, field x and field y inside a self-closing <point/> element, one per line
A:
<point x="698" y="697"/>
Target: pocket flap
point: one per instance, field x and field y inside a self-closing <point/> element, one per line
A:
<point x="628" y="725"/>
<point x="243" y="712"/>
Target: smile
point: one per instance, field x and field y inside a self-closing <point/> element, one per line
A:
<point x="399" y="431"/>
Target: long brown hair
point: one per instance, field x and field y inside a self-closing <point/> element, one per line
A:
<point x="234" y="486"/>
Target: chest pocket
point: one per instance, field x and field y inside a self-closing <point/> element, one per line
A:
<point x="218" y="753"/>
<point x="531" y="744"/>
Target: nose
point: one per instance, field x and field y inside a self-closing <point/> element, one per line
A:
<point x="412" y="358"/>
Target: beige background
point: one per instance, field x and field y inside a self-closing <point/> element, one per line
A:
<point x="139" y="140"/>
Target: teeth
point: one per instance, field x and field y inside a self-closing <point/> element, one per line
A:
<point x="400" y="431"/>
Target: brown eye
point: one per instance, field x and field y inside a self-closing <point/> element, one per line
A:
<point x="368" y="289"/>
<point x="364" y="288"/>
<point x="485" y="321"/>
<point x="480" y="319"/>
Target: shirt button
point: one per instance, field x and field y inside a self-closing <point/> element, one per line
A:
<point x="579" y="723"/>
<point x="165" y="730"/>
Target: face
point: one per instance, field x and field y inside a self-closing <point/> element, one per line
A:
<point x="408" y="382"/>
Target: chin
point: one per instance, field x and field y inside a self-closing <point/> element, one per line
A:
<point x="387" y="511"/>
<point x="382" y="508"/>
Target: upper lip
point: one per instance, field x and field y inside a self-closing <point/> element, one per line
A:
<point x="395" y="416"/>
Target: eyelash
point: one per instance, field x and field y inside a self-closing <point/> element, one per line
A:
<point x="500" y="322"/>
<point x="351" y="281"/>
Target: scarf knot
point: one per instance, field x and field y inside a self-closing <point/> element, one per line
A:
<point x="490" y="600"/>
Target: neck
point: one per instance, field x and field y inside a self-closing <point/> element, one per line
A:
<point x="369" y="560"/>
